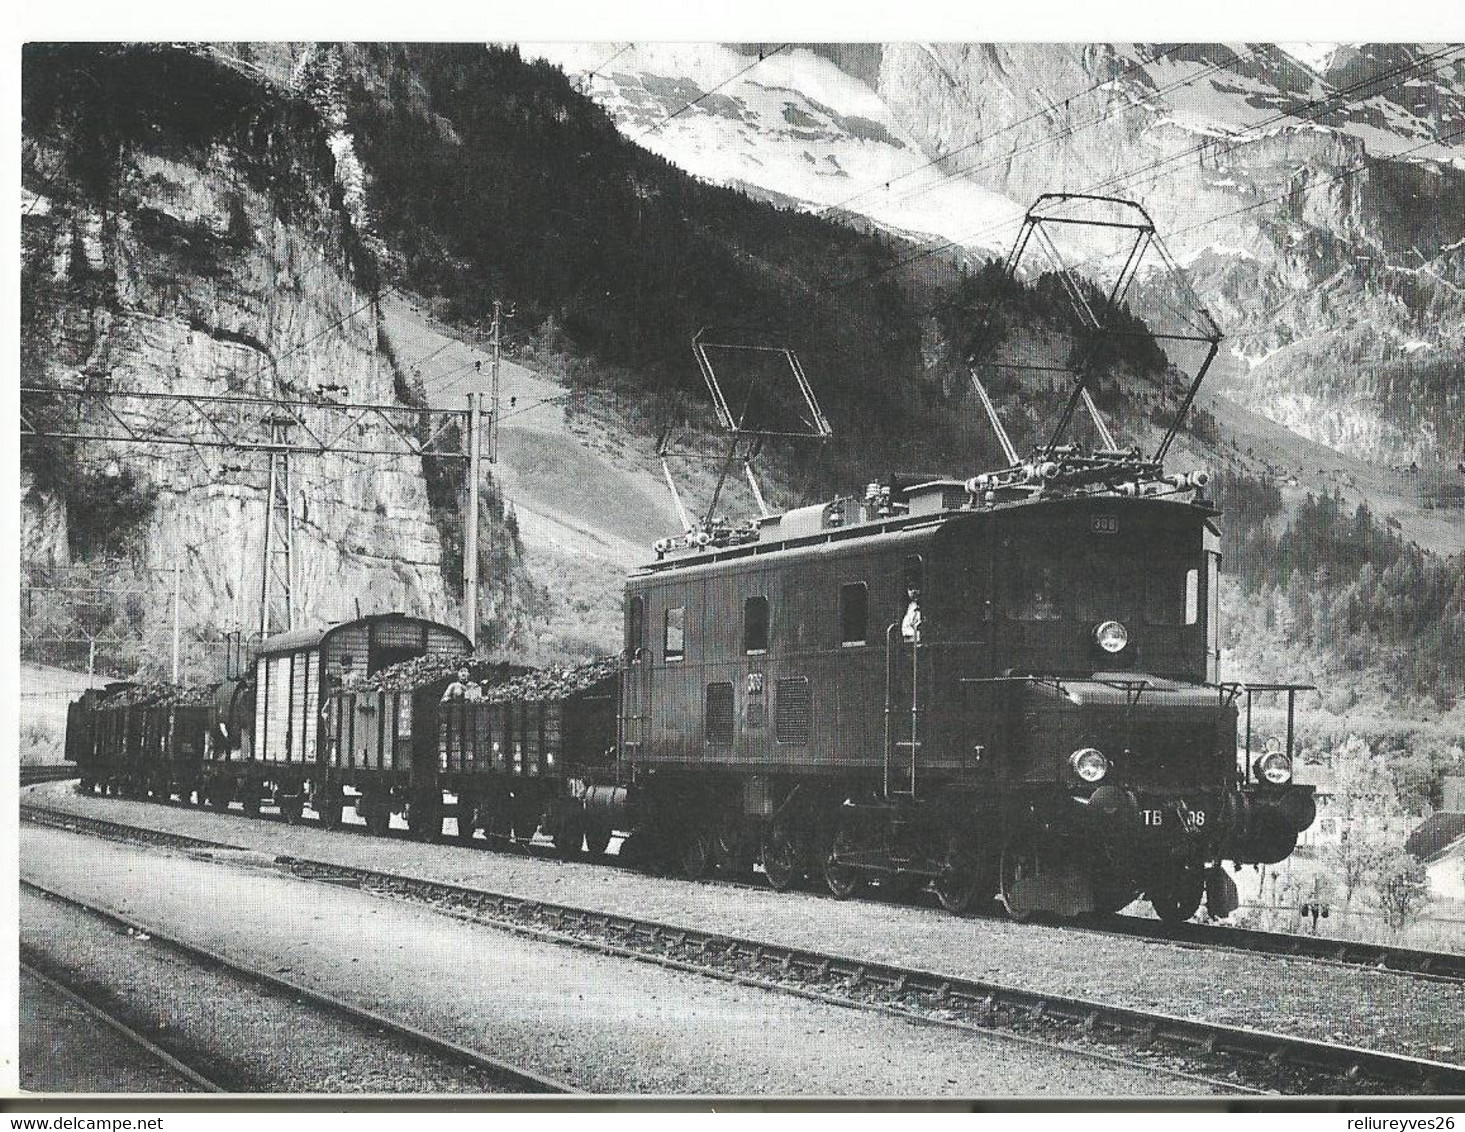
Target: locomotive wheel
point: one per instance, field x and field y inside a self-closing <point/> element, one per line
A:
<point x="1177" y="897"/>
<point x="597" y="840"/>
<point x="696" y="856"/>
<point x="782" y="863"/>
<point x="959" y="886"/>
<point x="1112" y="892"/>
<point x="899" y="887"/>
<point x="1017" y="862"/>
<point x="841" y="880"/>
<point x="732" y="853"/>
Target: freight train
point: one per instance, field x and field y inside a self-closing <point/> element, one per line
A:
<point x="1005" y="687"/>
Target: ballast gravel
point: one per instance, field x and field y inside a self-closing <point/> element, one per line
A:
<point x="1303" y="998"/>
<point x="600" y="1023"/>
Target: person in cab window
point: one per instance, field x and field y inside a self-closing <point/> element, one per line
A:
<point x="458" y="689"/>
<point x="910" y="624"/>
<point x="473" y="693"/>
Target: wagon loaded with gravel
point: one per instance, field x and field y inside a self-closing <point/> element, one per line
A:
<point x="140" y="740"/>
<point x="526" y="751"/>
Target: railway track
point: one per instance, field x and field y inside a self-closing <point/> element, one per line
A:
<point x="510" y="1077"/>
<point x="1431" y="965"/>
<point x="1245" y="1058"/>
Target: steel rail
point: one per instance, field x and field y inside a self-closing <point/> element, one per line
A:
<point x="1263" y="1052"/>
<point x="524" y="1080"/>
<point x="95" y="1011"/>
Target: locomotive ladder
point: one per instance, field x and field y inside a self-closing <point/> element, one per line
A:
<point x="902" y="721"/>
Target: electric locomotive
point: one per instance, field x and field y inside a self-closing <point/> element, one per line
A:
<point x="1005" y="686"/>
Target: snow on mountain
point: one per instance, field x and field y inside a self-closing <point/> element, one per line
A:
<point x="795" y="127"/>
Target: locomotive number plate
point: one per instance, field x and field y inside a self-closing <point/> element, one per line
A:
<point x="1104" y="524"/>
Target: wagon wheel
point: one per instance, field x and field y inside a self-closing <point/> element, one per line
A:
<point x="425" y="816"/>
<point x="569" y="833"/>
<point x="696" y="855"/>
<point x="597" y="839"/>
<point x="251" y="804"/>
<point x="377" y="814"/>
<point x="841" y="880"/>
<point x="219" y="799"/>
<point x="961" y="883"/>
<point x="1176" y="897"/>
<point x="526" y="819"/>
<point x="330" y="807"/>
<point x="782" y="861"/>
<point x="467" y="820"/>
<point x="497" y="824"/>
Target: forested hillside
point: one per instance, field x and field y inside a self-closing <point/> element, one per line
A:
<point x="1331" y="593"/>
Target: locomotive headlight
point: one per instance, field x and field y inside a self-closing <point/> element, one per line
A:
<point x="1274" y="767"/>
<point x="1089" y="764"/>
<point x="1112" y="636"/>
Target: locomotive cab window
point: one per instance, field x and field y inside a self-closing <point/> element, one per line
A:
<point x="854" y="613"/>
<point x="1172" y="595"/>
<point x="674" y="637"/>
<point x="755" y="625"/>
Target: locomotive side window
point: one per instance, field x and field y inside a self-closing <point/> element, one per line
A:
<point x="1034" y="593"/>
<point x="755" y="625"/>
<point x="674" y="641"/>
<point x="854" y="613"/>
<point x="635" y="627"/>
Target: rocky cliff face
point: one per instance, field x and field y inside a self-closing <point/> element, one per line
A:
<point x="184" y="232"/>
<point x="1319" y="206"/>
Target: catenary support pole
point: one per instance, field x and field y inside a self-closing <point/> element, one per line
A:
<point x="470" y="540"/>
<point x="177" y="587"/>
